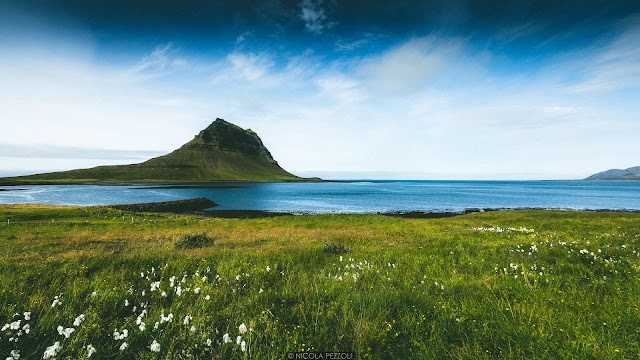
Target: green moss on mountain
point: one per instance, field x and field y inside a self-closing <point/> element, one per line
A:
<point x="221" y="152"/>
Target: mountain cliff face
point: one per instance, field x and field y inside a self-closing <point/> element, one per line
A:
<point x="221" y="152"/>
<point x="632" y="173"/>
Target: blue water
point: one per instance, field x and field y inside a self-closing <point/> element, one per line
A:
<point x="354" y="196"/>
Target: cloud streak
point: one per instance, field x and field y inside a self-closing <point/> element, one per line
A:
<point x="411" y="65"/>
<point x="614" y="66"/>
<point x="314" y="16"/>
<point x="70" y="152"/>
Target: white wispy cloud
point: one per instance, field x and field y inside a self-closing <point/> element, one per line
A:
<point x="343" y="45"/>
<point x="314" y="16"/>
<point x="512" y="33"/>
<point x="251" y="66"/>
<point x="261" y="70"/>
<point x="242" y="37"/>
<point x="613" y="66"/>
<point x="159" y="62"/>
<point x="411" y="65"/>
<point x="343" y="89"/>
<point x="71" y="152"/>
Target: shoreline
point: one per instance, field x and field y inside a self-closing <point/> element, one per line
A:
<point x="13" y="182"/>
<point x="202" y="206"/>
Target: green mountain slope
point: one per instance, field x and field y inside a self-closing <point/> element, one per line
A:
<point x="632" y="173"/>
<point x="221" y="152"/>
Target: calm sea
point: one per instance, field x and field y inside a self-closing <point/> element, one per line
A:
<point x="353" y="196"/>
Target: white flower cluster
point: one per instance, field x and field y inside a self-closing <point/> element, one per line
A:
<point x="155" y="346"/>
<point x="242" y="329"/>
<point x="66" y="332"/>
<point x="498" y="229"/>
<point x="119" y="336"/>
<point x="52" y="351"/>
<point x="16" y="329"/>
<point x="141" y="325"/>
<point x="57" y="300"/>
<point x="168" y="318"/>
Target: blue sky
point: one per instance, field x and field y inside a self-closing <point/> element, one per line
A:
<point x="346" y="89"/>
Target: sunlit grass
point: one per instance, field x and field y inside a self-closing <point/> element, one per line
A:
<point x="507" y="284"/>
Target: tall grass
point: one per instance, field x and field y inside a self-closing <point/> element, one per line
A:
<point x="508" y="284"/>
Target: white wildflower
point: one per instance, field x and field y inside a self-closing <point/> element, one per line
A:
<point x="126" y="302"/>
<point x="15" y="355"/>
<point x="164" y="294"/>
<point x="94" y="294"/>
<point x="193" y="328"/>
<point x="124" y="346"/>
<point x="226" y="338"/>
<point x="209" y="342"/>
<point x="168" y="318"/>
<point x="243" y="346"/>
<point x="27" y="316"/>
<point x="186" y="319"/>
<point x="15" y="325"/>
<point x="238" y="340"/>
<point x="268" y="268"/>
<point x="196" y="290"/>
<point x="52" y="351"/>
<point x="66" y="332"/>
<point x="155" y="346"/>
<point x="78" y="320"/>
<point x="207" y="297"/>
<point x="242" y="328"/>
<point x="90" y="350"/>
<point x="119" y="336"/>
<point x="26" y="328"/>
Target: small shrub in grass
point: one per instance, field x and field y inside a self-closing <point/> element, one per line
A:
<point x="192" y="241"/>
<point x="335" y="249"/>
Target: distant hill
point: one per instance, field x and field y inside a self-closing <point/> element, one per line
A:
<point x="221" y="152"/>
<point x="632" y="173"/>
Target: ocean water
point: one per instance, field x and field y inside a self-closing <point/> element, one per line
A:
<point x="352" y="196"/>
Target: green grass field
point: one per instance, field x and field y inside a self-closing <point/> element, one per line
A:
<point x="520" y="284"/>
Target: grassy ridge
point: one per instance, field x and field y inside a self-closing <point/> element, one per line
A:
<point x="507" y="284"/>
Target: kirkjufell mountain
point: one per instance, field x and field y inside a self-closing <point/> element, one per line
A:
<point x="221" y="152"/>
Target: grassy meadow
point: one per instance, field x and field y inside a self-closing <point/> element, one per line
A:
<point x="113" y="284"/>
